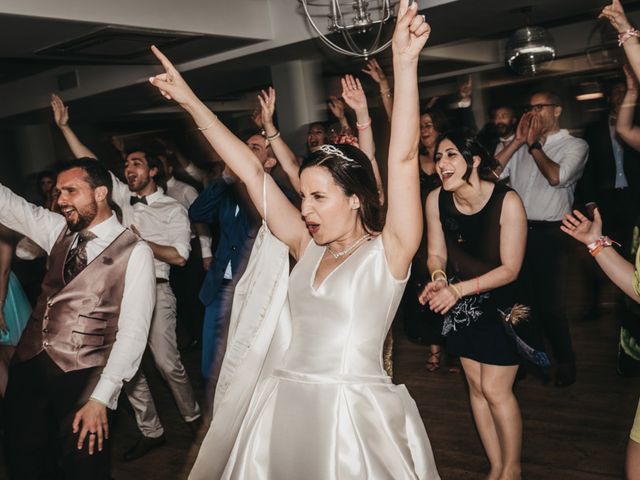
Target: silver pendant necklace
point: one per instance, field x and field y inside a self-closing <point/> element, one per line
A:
<point x="348" y="250"/>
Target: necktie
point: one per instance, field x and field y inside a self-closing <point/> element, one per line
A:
<point x="77" y="258"/>
<point x="133" y="200"/>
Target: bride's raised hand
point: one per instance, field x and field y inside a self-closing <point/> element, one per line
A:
<point x="170" y="83"/>
<point x="411" y="32"/>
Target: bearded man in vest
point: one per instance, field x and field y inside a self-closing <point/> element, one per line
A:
<point x="87" y="333"/>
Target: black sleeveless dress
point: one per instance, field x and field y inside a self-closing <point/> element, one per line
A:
<point x="473" y="327"/>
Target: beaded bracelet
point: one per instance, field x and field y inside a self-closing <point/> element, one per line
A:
<point x="270" y="138"/>
<point x="365" y="125"/>
<point x="626" y="35"/>
<point x="600" y="244"/>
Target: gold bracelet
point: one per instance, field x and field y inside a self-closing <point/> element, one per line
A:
<point x="444" y="274"/>
<point x="455" y="289"/>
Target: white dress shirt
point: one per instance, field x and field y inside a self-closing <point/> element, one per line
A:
<point x="163" y="221"/>
<point x="503" y="142"/>
<point x="138" y="298"/>
<point x="185" y="194"/>
<point x="544" y="202"/>
<point x="196" y="173"/>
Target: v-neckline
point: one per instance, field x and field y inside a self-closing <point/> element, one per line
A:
<point x="315" y="289"/>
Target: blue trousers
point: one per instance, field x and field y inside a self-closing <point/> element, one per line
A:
<point x="214" y="331"/>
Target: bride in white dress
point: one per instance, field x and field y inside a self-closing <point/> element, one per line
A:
<point x="303" y="394"/>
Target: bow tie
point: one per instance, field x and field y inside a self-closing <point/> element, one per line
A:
<point x="133" y="200"/>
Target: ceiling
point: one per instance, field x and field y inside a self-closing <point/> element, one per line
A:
<point x="459" y="25"/>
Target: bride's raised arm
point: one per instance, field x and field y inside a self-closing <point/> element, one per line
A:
<point x="283" y="218"/>
<point x="403" y="228"/>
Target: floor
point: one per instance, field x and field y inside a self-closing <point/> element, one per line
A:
<point x="579" y="432"/>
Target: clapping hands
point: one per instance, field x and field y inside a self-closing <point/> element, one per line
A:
<point x="440" y="296"/>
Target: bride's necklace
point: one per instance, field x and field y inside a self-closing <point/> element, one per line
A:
<point x="348" y="250"/>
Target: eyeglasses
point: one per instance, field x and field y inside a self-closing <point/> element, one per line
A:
<point x="539" y="106"/>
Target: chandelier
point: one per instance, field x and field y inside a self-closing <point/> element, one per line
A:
<point x="358" y="22"/>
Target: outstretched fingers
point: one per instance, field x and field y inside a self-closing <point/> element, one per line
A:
<point x="166" y="63"/>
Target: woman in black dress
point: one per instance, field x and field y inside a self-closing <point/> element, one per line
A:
<point x="477" y="234"/>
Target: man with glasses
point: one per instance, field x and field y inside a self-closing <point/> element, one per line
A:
<point x="544" y="163"/>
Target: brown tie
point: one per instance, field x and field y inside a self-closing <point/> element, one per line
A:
<point x="77" y="258"/>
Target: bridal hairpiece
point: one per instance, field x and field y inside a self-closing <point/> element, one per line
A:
<point x="331" y="150"/>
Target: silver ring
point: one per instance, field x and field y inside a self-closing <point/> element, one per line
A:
<point x="92" y="433"/>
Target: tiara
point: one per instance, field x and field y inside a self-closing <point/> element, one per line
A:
<point x="331" y="150"/>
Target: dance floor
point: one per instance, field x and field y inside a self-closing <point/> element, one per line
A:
<point x="575" y="433"/>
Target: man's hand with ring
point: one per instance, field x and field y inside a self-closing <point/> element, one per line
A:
<point x="91" y="420"/>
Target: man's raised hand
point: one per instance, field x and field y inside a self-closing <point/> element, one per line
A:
<point x="60" y="111"/>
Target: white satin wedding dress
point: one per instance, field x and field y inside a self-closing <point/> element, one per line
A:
<point x="328" y="410"/>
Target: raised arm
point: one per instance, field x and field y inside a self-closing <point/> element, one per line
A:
<point x="618" y="19"/>
<point x="625" y="128"/>
<point x="39" y="224"/>
<point x="281" y="150"/>
<point x="284" y="219"/>
<point x="403" y="228"/>
<point x="336" y="106"/>
<point x="355" y="98"/>
<point x="620" y="271"/>
<point x="61" y="117"/>
<point x="374" y="70"/>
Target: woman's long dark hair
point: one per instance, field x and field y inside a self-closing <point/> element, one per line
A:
<point x="353" y="173"/>
<point x="469" y="147"/>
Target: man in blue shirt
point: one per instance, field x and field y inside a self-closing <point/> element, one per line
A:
<point x="225" y="202"/>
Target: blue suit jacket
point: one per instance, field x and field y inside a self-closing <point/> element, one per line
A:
<point x="218" y="203"/>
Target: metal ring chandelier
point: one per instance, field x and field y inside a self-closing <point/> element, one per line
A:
<point x="347" y="23"/>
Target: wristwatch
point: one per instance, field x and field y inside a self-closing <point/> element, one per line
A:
<point x="535" y="146"/>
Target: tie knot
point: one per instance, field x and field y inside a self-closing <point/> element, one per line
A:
<point x="85" y="236"/>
